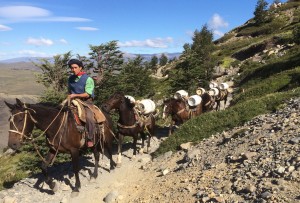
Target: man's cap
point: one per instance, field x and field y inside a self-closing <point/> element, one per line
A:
<point x="75" y="61"/>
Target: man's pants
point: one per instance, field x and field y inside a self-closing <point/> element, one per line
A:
<point x="90" y="123"/>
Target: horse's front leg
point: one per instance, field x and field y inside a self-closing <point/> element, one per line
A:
<point x="218" y="106"/>
<point x="151" y="134"/>
<point x="120" y="143"/>
<point x="225" y="102"/>
<point x="75" y="163"/>
<point x="108" y="147"/>
<point x="148" y="143"/>
<point x="135" y="137"/>
<point x="44" y="168"/>
<point x="171" y="127"/>
<point x="143" y="136"/>
<point x="96" y="156"/>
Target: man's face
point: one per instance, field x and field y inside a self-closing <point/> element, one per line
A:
<point x="75" y="69"/>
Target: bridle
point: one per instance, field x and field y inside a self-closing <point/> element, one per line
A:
<point x="23" y="135"/>
<point x="27" y="114"/>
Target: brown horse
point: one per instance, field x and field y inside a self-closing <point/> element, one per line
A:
<point x="222" y="96"/>
<point x="208" y="102"/>
<point x="179" y="111"/>
<point x="130" y="122"/>
<point x="62" y="136"/>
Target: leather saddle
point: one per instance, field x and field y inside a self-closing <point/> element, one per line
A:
<point x="80" y="111"/>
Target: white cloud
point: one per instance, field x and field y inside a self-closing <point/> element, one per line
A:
<point x="154" y="43"/>
<point x="32" y="53"/>
<point x="87" y="28"/>
<point x="12" y="14"/>
<point x="218" y="33"/>
<point x="63" y="41"/>
<point x="39" y="42"/>
<point x="190" y="33"/>
<point x="5" y="43"/>
<point x="60" y="19"/>
<point x="217" y="22"/>
<point x="22" y="12"/>
<point x="4" y="28"/>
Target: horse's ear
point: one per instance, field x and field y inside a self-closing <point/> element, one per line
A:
<point x="21" y="104"/>
<point x="11" y="106"/>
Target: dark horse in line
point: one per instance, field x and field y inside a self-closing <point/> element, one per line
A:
<point x="222" y="96"/>
<point x="207" y="102"/>
<point x="179" y="111"/>
<point x="130" y="122"/>
<point x="62" y="136"/>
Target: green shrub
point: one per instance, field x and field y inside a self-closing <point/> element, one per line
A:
<point x="296" y="34"/>
<point x="9" y="171"/>
<point x="264" y="29"/>
<point x="279" y="82"/>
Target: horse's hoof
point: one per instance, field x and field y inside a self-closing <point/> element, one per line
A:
<point x="74" y="194"/>
<point x="141" y="151"/>
<point x="133" y="157"/>
<point x="93" y="179"/>
<point x="118" y="165"/>
<point x="54" y="187"/>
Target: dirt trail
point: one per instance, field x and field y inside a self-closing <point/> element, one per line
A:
<point x="120" y="181"/>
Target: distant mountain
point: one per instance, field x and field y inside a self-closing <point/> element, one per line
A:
<point x="19" y="66"/>
<point x="147" y="57"/>
<point x="22" y="59"/>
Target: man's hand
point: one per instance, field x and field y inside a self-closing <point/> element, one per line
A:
<point x="72" y="96"/>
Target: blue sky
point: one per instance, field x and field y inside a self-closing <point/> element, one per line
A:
<point x="48" y="27"/>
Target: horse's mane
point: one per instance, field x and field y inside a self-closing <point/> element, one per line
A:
<point x="206" y="96"/>
<point x="47" y="106"/>
<point x="128" y="103"/>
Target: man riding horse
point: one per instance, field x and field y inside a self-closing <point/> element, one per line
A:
<point x="81" y="86"/>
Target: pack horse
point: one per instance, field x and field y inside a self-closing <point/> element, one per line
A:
<point x="133" y="121"/>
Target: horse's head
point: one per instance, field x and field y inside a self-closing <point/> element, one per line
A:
<point x="113" y="102"/>
<point x="21" y="124"/>
<point x="171" y="106"/>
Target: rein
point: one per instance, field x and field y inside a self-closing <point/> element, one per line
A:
<point x="27" y="112"/>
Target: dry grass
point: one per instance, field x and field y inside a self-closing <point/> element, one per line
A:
<point x="14" y="84"/>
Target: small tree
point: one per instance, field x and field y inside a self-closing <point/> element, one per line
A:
<point x="54" y="77"/>
<point x="108" y="59"/>
<point x="153" y="62"/>
<point x="197" y="62"/>
<point x="135" y="79"/>
<point x="260" y="11"/>
<point x="163" y="60"/>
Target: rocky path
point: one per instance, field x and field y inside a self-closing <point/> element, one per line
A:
<point x="108" y="184"/>
<point x="256" y="162"/>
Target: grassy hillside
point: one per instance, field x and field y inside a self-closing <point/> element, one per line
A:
<point x="269" y="74"/>
<point x="18" y="82"/>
